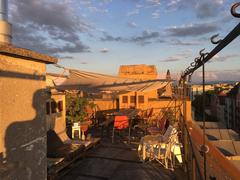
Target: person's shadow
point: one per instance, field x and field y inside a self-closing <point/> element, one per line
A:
<point x="25" y="142"/>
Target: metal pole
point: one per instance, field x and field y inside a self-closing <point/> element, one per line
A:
<point x="175" y="108"/>
<point x="203" y="117"/>
<point x="185" y="141"/>
<point x="193" y="168"/>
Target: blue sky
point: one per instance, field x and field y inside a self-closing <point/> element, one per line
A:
<point x="101" y="35"/>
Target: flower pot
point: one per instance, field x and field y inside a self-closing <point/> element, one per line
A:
<point x="84" y="128"/>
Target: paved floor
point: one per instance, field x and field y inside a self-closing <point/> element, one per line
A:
<point x="118" y="161"/>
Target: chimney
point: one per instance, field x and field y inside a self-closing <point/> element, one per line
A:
<point x="5" y="26"/>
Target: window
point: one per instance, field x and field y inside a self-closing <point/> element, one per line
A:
<point x="132" y="99"/>
<point x="60" y="106"/>
<point x="125" y="99"/>
<point x="48" y="108"/>
<point x="53" y="107"/>
<point x="140" y="99"/>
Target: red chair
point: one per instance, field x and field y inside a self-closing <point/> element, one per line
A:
<point x="160" y="129"/>
<point x="121" y="123"/>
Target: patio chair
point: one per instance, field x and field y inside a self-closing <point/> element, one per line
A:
<point x="147" y="142"/>
<point x="159" y="128"/>
<point x="143" y="120"/>
<point x="164" y="153"/>
<point x="120" y="123"/>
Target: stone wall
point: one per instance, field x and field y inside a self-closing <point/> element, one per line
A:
<point x="22" y="118"/>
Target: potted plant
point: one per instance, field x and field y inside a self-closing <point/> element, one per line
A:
<point x="76" y="112"/>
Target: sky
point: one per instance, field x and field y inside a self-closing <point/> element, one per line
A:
<point x="101" y="35"/>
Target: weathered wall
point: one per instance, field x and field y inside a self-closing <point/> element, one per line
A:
<point x="104" y="104"/>
<point x="22" y="118"/>
<point x="57" y="121"/>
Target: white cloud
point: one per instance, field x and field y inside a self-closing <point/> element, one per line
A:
<point x="134" y="12"/>
<point x="154" y="2"/>
<point x="224" y="57"/>
<point x="217" y="75"/>
<point x="156" y="14"/>
<point x="104" y="50"/>
<point x="132" y="24"/>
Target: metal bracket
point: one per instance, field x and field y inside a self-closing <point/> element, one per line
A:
<point x="233" y="10"/>
<point x="213" y="39"/>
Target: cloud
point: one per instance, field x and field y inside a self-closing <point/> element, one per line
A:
<point x="172" y="59"/>
<point x="156" y="14"/>
<point x="107" y="1"/>
<point x="85" y="2"/>
<point x="178" y="56"/>
<point x="184" y="43"/>
<point x="202" y="9"/>
<point x="94" y="9"/>
<point x="49" y="27"/>
<point x="134" y="12"/>
<point x="132" y="24"/>
<point x="190" y="30"/>
<point x="173" y="3"/>
<point x="83" y="62"/>
<point x="64" y="57"/>
<point x="218" y="75"/>
<point x="206" y="9"/>
<point x="154" y="2"/>
<point x="146" y="37"/>
<point x="225" y="57"/>
<point x="104" y="50"/>
<point x="108" y="37"/>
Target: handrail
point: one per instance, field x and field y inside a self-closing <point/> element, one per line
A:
<point x="193" y="152"/>
<point x="215" y="158"/>
<point x="200" y="62"/>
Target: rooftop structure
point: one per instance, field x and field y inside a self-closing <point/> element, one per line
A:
<point x="140" y="71"/>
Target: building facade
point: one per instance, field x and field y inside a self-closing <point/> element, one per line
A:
<point x="232" y="108"/>
<point x="142" y="100"/>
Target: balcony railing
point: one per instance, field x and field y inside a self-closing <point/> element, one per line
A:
<point x="203" y="159"/>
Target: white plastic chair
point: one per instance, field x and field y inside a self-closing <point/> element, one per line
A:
<point x="150" y="141"/>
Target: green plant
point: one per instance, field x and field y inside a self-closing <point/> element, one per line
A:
<point x="76" y="108"/>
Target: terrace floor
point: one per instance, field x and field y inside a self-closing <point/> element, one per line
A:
<point x="118" y="160"/>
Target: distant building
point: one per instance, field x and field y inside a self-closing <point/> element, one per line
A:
<point x="143" y="100"/>
<point x="198" y="89"/>
<point x="232" y="108"/>
<point x="220" y="104"/>
<point x="140" y="71"/>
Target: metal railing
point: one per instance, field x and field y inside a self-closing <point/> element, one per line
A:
<point x="210" y="167"/>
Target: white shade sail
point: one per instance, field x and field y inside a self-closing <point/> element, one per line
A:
<point x="93" y="82"/>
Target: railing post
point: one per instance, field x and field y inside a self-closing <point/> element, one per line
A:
<point x="193" y="168"/>
<point x="185" y="142"/>
<point x="204" y="150"/>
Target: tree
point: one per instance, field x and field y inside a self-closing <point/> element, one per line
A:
<point x="76" y="108"/>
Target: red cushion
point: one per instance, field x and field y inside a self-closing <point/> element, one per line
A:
<point x="121" y="122"/>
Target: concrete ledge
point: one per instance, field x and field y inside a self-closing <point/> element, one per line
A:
<point x="13" y="51"/>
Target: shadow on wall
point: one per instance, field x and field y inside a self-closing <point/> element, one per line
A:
<point x="25" y="144"/>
